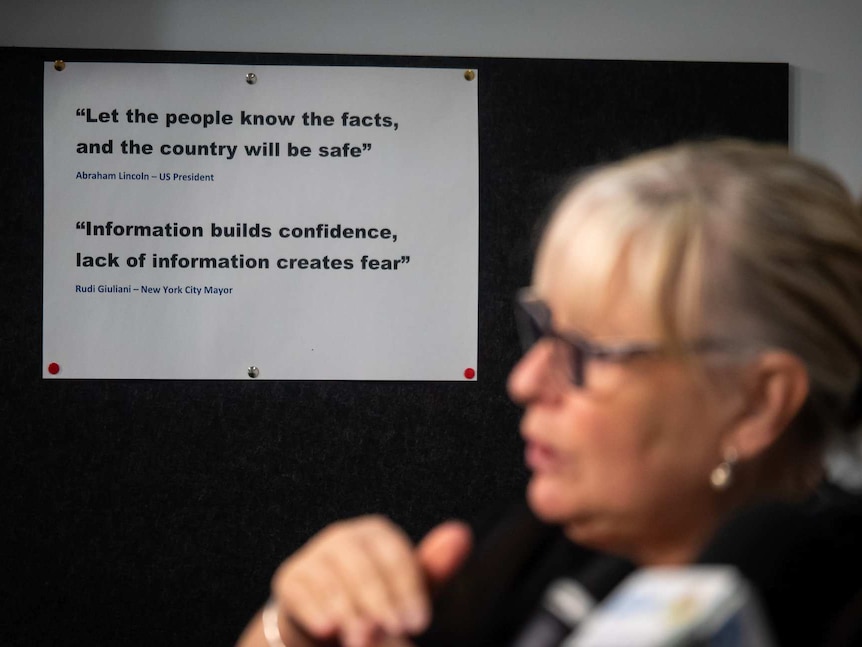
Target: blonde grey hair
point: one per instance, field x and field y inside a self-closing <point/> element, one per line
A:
<point x="727" y="239"/>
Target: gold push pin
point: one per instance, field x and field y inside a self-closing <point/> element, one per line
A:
<point x="469" y="75"/>
<point x="59" y="65"/>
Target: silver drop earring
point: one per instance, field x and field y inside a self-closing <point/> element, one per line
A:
<point x="721" y="477"/>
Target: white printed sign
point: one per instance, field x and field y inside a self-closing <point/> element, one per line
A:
<point x="318" y="223"/>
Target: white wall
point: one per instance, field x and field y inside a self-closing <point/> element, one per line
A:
<point x="822" y="39"/>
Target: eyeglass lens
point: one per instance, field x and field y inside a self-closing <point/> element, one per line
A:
<point x="534" y="323"/>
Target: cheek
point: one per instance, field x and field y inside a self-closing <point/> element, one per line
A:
<point x="623" y="453"/>
<point x="602" y="467"/>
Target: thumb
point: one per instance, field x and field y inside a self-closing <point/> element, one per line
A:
<point x="442" y="551"/>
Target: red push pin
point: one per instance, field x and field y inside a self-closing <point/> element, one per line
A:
<point x="53" y="368"/>
<point x="469" y="373"/>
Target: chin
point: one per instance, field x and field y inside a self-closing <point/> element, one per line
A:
<point x="547" y="501"/>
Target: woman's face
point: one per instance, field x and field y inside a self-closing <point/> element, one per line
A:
<point x="623" y="462"/>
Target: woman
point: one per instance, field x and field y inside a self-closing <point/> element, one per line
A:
<point x="696" y="314"/>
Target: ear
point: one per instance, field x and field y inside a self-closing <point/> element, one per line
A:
<point x="775" y="388"/>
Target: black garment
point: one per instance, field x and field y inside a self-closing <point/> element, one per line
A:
<point x="804" y="561"/>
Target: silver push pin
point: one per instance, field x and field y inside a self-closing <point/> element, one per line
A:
<point x="251" y="78"/>
<point x="253" y="371"/>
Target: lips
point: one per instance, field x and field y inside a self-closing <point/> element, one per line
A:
<point x="539" y="457"/>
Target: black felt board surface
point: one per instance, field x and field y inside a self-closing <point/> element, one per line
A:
<point x="154" y="512"/>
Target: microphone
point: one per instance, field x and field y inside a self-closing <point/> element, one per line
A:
<point x="567" y="601"/>
<point x="678" y="606"/>
<point x="502" y="582"/>
<point x="774" y="570"/>
<point x="701" y="606"/>
<point x="771" y="574"/>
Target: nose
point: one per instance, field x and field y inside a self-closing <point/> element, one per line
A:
<point x="532" y="377"/>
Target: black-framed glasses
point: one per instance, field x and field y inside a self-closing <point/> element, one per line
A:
<point x="571" y="352"/>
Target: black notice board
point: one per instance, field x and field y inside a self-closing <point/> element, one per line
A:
<point x="152" y="512"/>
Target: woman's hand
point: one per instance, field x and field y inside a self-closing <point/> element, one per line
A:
<point x="362" y="580"/>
